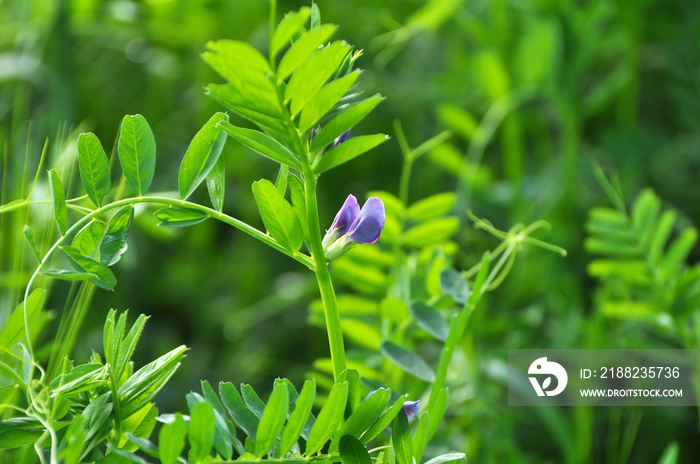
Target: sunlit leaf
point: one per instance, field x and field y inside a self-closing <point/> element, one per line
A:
<point x="290" y="24"/>
<point x="201" y="431"/>
<point x="216" y="184"/>
<point x="328" y="419"/>
<point x="345" y="120"/>
<point x="263" y="144"/>
<point x="94" y="168"/>
<point x="171" y="440"/>
<point x="325" y="99"/>
<point x="278" y="215"/>
<point x="113" y="243"/>
<point x="272" y="419"/>
<point x="137" y="153"/>
<point x="14" y="329"/>
<point x="179" y="217"/>
<point x="303" y="47"/>
<point x="401" y="439"/>
<point x="202" y="155"/>
<point x="313" y="73"/>
<point x="352" y="451"/>
<point x="105" y="279"/>
<point x="298" y="418"/>
<point x="348" y="150"/>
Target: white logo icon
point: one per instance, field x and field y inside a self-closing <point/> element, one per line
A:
<point x="542" y="366"/>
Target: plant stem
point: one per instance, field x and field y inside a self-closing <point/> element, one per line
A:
<point x="325" y="284"/>
<point x="459" y="325"/>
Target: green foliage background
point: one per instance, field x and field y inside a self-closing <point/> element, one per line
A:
<point x="534" y="93"/>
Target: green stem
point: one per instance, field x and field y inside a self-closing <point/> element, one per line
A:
<point x="242" y="226"/>
<point x="325" y="284"/>
<point x="459" y="325"/>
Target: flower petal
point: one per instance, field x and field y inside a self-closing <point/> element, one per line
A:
<point x="369" y="223"/>
<point x="346" y="216"/>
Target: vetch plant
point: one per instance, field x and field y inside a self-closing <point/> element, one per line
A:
<point x="302" y="101"/>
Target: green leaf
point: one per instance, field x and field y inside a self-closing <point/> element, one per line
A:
<point x="82" y="378"/>
<point x="401" y="439"/>
<point x="420" y="439"/>
<point x="394" y="309"/>
<point x="661" y="234"/>
<point x="140" y="425"/>
<point x="171" y="440"/>
<point x="240" y="63"/>
<point x="14" y="330"/>
<point x="223" y="438"/>
<point x="431" y="232"/>
<point x="296" y="189"/>
<point x="179" y="217"/>
<point x="329" y="418"/>
<point x="19" y="431"/>
<point x="113" y="244"/>
<point x="644" y="213"/>
<point x="137" y="153"/>
<point x="252" y="400"/>
<point x="94" y="168"/>
<point x="407" y="360"/>
<point x="348" y="150"/>
<point x="65" y="274"/>
<point x="201" y="155"/>
<point x="431" y="207"/>
<point x="201" y="431"/>
<point x="454" y="284"/>
<point x="313" y="73"/>
<point x="263" y="144"/>
<point x="60" y="213"/>
<point x="278" y="215"/>
<point x="241" y="415"/>
<point x="272" y="420"/>
<point x="325" y="100"/>
<point x="216" y="184"/>
<point x="29" y="236"/>
<point x="679" y="250"/>
<point x="352" y="376"/>
<point x="72" y="445"/>
<point x="127" y="346"/>
<point x="104" y="277"/>
<point x="344" y="121"/>
<point x="87" y="240"/>
<point x="352" y="451"/>
<point x="437" y="412"/>
<point x="460" y="458"/>
<point x="430" y="319"/>
<point x="290" y="24"/>
<point x="303" y="48"/>
<point x="298" y="418"/>
<point x="383" y="421"/>
<point x="260" y="106"/>
<point x="141" y="387"/>
<point x="364" y="417"/>
<point x="225" y="430"/>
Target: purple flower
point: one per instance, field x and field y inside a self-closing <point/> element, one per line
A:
<point x="342" y="138"/>
<point x="354" y="225"/>
<point x="411" y="408"/>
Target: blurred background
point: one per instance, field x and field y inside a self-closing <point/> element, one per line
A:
<point x="536" y="93"/>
